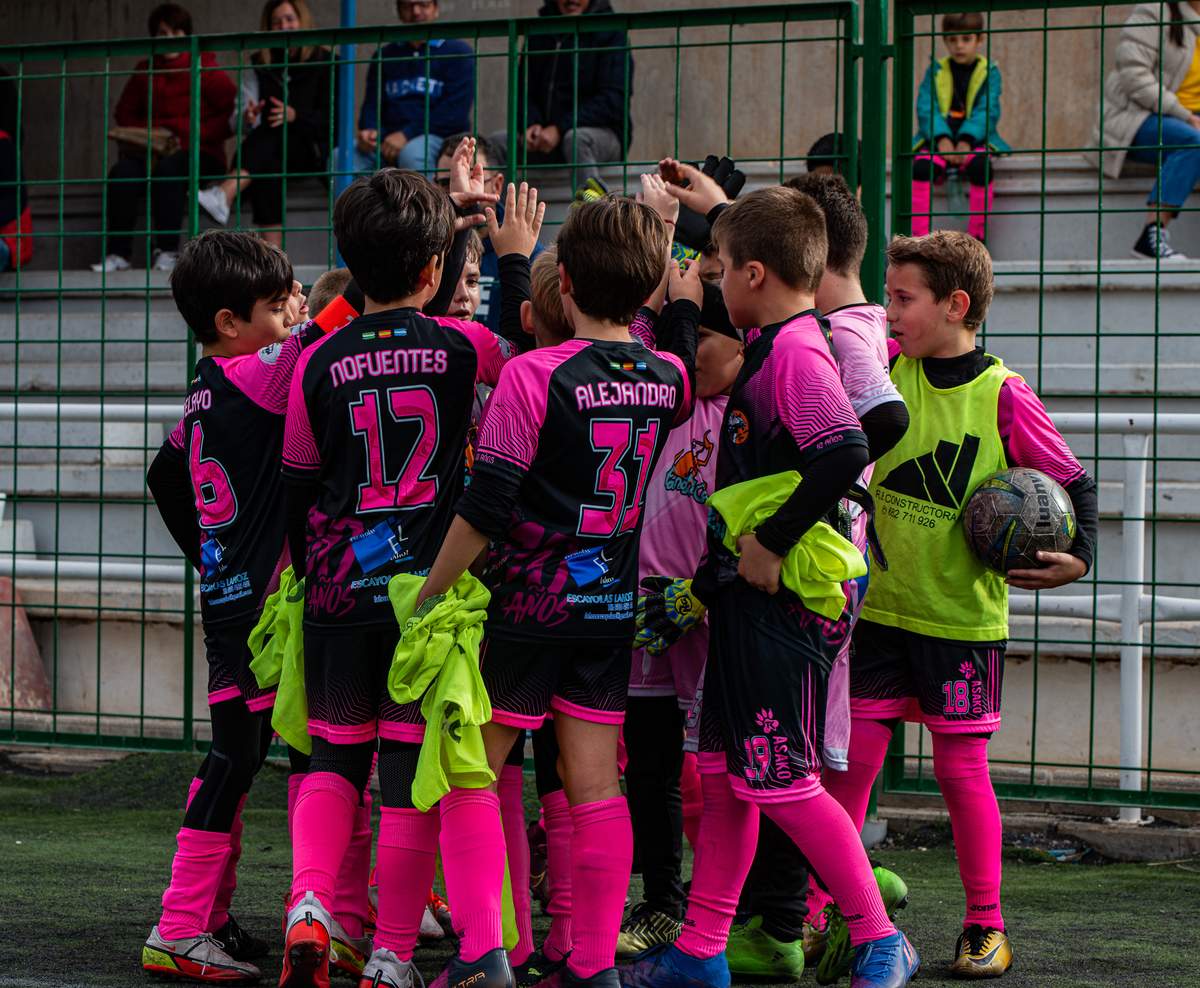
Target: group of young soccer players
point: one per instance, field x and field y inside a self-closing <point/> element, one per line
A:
<point x="657" y="444"/>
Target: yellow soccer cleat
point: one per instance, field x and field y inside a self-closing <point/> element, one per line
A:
<point x="982" y="952"/>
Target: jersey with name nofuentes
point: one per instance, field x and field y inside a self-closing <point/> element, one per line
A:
<point x="378" y="417"/>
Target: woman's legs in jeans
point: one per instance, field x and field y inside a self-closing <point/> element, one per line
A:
<point x="1180" y="168"/>
<point x="263" y="155"/>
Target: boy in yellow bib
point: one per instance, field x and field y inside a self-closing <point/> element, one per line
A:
<point x="930" y="644"/>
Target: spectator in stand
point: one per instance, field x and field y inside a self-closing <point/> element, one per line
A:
<point x="560" y="123"/>
<point x="826" y="154"/>
<point x="487" y="310"/>
<point x="1152" y="101"/>
<point x="277" y="99"/>
<point x="168" y="98"/>
<point x="425" y="94"/>
<point x="16" y="242"/>
<point x="958" y="108"/>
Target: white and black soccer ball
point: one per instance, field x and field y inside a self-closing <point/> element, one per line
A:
<point x="1016" y="514"/>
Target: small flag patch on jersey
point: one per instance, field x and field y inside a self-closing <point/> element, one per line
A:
<point x="368" y="336"/>
<point x="385" y="334"/>
<point x="628" y="365"/>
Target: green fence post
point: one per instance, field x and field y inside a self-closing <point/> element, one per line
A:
<point x="874" y="142"/>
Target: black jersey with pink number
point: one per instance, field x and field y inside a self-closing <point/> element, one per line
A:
<point x="378" y="417"/>
<point x="569" y="439"/>
<point x="232" y="436"/>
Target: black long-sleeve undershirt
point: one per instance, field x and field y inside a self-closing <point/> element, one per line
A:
<point x="299" y="497"/>
<point x="171" y="487"/>
<point x="884" y="426"/>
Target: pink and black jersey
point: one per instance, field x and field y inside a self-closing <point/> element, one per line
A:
<point x="231" y="435"/>
<point x="568" y="443"/>
<point x="378" y="419"/>
<point x="787" y="405"/>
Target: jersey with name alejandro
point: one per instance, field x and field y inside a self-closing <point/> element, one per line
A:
<point x="231" y="433"/>
<point x="569" y="440"/>
<point x="378" y="416"/>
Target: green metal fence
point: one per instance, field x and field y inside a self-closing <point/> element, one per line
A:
<point x="1101" y="675"/>
<point x="104" y="628"/>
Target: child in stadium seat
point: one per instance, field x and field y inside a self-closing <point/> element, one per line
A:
<point x="372" y="460"/>
<point x="217" y="486"/>
<point x="570" y="437"/>
<point x="932" y="649"/>
<point x="958" y="109"/>
<point x="791" y="930"/>
<point x="770" y="651"/>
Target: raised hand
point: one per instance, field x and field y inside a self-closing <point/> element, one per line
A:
<point x="655" y="195"/>
<point x="700" y="194"/>
<point x="686" y="283"/>
<point x="522" y="222"/>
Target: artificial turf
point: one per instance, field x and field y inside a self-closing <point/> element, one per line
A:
<point x="83" y="861"/>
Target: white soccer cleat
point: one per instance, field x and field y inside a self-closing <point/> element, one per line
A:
<point x="386" y="970"/>
<point x="199" y="958"/>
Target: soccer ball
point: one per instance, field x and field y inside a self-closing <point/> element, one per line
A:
<point x="1015" y="514"/>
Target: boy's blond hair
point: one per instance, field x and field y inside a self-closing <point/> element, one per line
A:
<point x="326" y="288"/>
<point x="474" y="248"/>
<point x="950" y="261"/>
<point x="781" y="228"/>
<point x="545" y="298"/>
<point x="614" y="250"/>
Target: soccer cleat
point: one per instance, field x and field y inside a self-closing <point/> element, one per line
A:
<point x="441" y="912"/>
<point x="212" y="200"/>
<point x="306" y="945"/>
<point x="888" y="963"/>
<point x="666" y="966"/>
<point x="813" y="940"/>
<point x="838" y="955"/>
<point x="608" y="978"/>
<point x="347" y="954"/>
<point x="386" y="970"/>
<point x="431" y="930"/>
<point x="199" y="958"/>
<point x="539" y="969"/>
<point x="753" y="953"/>
<point x="239" y="944"/>
<point x="492" y="970"/>
<point x="982" y="952"/>
<point x="111" y="263"/>
<point x="646" y="928"/>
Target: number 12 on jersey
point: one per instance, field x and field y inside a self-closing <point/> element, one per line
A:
<point x="616" y="440"/>
<point x="409" y="488"/>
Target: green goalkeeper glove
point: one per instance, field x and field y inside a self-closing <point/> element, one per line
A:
<point x="666" y="611"/>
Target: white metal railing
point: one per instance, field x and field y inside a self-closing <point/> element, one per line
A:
<point x="1131" y="607"/>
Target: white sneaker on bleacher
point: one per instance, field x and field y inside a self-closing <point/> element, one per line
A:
<point x="212" y="200"/>
<point x="114" y="262"/>
<point x="164" y="260"/>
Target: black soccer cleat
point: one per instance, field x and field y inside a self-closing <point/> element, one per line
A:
<point x="492" y="970"/>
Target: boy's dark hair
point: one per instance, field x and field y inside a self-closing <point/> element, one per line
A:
<point x="950" y="260"/>
<point x="845" y="222"/>
<point x="221" y="269"/>
<point x="177" y="18"/>
<point x="615" y="251"/>
<point x="387" y="227"/>
<point x="782" y="229"/>
<point x="326" y="288"/>
<point x="968" y="23"/>
<point x="827" y="150"/>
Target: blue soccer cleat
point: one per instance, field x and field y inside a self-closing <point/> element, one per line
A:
<point x="666" y="966"/>
<point x="888" y="963"/>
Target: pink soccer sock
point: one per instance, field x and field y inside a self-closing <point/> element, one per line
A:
<point x="350" y="896"/>
<point x="728" y="834"/>
<point x="693" y="799"/>
<point x="408" y="843"/>
<point x="979" y="198"/>
<point x="960" y="766"/>
<point x="827" y="837"/>
<point x="472" y="844"/>
<point x="224" y="897"/>
<point x="321" y="827"/>
<point x="196" y="871"/>
<point x="602" y="855"/>
<point x="922" y="196"/>
<point x="869" y="740"/>
<point x="512" y="814"/>
<point x="295" y="781"/>
<point x="556" y="820"/>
